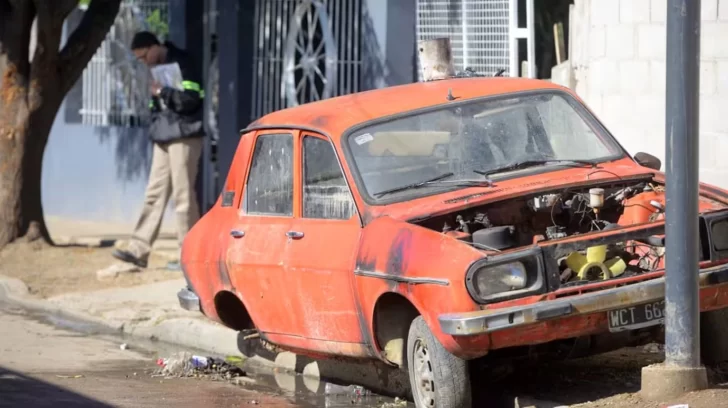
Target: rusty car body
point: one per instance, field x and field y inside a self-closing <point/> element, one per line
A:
<point x="430" y="224"/>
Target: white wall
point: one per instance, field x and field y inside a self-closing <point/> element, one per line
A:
<point x="617" y="50"/>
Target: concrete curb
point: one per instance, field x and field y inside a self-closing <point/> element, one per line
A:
<point x="216" y="339"/>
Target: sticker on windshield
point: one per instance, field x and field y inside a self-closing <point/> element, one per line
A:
<point x="365" y="138"/>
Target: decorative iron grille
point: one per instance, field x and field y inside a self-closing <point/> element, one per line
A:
<point x="305" y="50"/>
<point x="115" y="85"/>
<point x="478" y="30"/>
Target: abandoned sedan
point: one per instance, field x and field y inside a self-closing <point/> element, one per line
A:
<point x="431" y="224"/>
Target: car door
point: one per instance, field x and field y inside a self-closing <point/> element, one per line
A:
<point x="322" y="250"/>
<point x="258" y="237"/>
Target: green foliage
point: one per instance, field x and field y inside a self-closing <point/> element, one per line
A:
<point x="84" y="3"/>
<point x="157" y="25"/>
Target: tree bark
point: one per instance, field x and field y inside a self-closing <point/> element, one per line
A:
<point x="21" y="152"/>
<point x="30" y="96"/>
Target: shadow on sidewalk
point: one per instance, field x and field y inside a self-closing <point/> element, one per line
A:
<point x="18" y="390"/>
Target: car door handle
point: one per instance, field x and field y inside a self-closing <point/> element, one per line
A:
<point x="294" y="234"/>
<point x="237" y="233"/>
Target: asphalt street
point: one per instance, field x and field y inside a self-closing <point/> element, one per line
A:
<point x="42" y="365"/>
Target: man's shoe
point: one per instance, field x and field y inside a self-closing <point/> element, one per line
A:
<point x="128" y="257"/>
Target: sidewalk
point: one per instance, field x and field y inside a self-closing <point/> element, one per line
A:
<point x="63" y="282"/>
<point x="151" y="311"/>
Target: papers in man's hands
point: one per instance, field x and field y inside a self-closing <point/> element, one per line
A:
<point x="168" y="75"/>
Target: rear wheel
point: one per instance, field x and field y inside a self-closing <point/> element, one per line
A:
<point x="438" y="378"/>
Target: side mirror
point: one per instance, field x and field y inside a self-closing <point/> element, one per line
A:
<point x="648" y="160"/>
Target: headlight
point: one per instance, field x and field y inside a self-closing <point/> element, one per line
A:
<point x="503" y="277"/>
<point x="500" y="278"/>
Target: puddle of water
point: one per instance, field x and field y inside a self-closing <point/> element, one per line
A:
<point x="302" y="390"/>
<point x="314" y="392"/>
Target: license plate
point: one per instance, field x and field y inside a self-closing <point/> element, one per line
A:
<point x="637" y="317"/>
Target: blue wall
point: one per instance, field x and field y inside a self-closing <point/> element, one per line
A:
<point x="95" y="175"/>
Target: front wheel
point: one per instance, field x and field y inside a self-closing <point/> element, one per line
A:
<point x="714" y="337"/>
<point x="438" y="378"/>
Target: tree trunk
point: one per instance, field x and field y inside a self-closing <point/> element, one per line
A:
<point x="30" y="95"/>
<point x="21" y="157"/>
<point x="13" y="133"/>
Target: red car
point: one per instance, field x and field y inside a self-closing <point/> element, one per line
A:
<point x="431" y="224"/>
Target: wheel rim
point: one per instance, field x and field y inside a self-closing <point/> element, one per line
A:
<point x="424" y="384"/>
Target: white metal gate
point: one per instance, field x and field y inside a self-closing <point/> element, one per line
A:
<point x="305" y="50"/>
<point x="114" y="85"/>
<point x="484" y="33"/>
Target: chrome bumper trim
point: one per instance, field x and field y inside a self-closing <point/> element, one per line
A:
<point x="188" y="300"/>
<point x="488" y="321"/>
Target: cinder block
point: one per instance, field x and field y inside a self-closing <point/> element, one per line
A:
<point x="631" y="139"/>
<point x="657" y="77"/>
<point x="651" y="40"/>
<point x="709" y="150"/>
<point x="707" y="77"/>
<point x="658" y="11"/>
<point x="650" y="113"/>
<point x="721" y="73"/>
<point x="717" y="178"/>
<point x="618" y="112"/>
<point x="717" y="143"/>
<point x="712" y="114"/>
<point x="594" y="102"/>
<point x="634" y="11"/>
<point x="709" y="10"/>
<point x="604" y="12"/>
<point x="723" y="10"/>
<point x="713" y="43"/>
<point x="603" y="77"/>
<point x="620" y="41"/>
<point x="597" y="41"/>
<point x="632" y="77"/>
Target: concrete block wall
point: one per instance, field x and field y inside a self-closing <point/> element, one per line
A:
<point x="617" y="51"/>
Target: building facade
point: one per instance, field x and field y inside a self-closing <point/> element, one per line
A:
<point x="264" y="55"/>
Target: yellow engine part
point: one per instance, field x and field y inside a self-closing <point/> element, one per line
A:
<point x="594" y="261"/>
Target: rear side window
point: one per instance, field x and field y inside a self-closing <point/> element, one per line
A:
<point x="269" y="190"/>
<point x="325" y="192"/>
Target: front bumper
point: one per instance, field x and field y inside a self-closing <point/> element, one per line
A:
<point x="188" y="300"/>
<point x="488" y="321"/>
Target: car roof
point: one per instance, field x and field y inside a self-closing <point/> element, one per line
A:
<point x="333" y="116"/>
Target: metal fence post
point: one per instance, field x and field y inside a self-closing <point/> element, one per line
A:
<point x="682" y="313"/>
<point x="682" y="371"/>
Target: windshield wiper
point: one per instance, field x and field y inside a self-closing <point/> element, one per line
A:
<point x="531" y="163"/>
<point x="437" y="180"/>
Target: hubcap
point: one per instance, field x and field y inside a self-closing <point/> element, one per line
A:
<point x="424" y="384"/>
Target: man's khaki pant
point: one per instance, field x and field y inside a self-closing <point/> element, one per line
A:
<point x="173" y="173"/>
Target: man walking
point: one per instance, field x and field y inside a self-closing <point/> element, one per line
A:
<point x="177" y="134"/>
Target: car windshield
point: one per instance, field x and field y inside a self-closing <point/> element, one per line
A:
<point x="454" y="146"/>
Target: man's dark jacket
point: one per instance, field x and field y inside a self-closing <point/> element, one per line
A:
<point x="180" y="115"/>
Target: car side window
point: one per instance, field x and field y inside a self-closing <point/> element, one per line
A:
<point x="325" y="192"/>
<point x="269" y="190"/>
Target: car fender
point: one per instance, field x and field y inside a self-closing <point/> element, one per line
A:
<point x="425" y="267"/>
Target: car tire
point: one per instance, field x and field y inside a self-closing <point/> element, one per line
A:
<point x="438" y="378"/>
<point x="714" y="337"/>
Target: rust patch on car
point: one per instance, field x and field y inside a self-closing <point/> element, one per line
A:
<point x="223" y="273"/>
<point x="399" y="252"/>
<point x="320" y="121"/>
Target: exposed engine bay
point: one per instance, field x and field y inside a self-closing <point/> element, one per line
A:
<point x="528" y="220"/>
